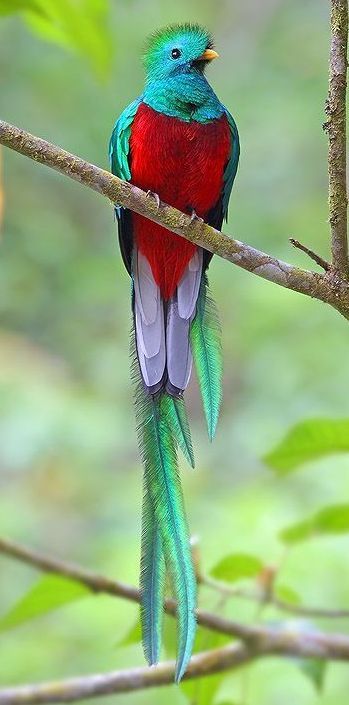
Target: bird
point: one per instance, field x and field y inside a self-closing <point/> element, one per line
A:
<point x="180" y="144"/>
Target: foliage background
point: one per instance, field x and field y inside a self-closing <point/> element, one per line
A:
<point x="69" y="469"/>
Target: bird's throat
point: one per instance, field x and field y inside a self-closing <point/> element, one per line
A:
<point x="188" y="97"/>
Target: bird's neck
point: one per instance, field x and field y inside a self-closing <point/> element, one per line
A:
<point x="188" y="97"/>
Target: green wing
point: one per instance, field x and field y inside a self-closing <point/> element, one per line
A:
<point x="232" y="165"/>
<point x="119" y="149"/>
<point x="119" y="145"/>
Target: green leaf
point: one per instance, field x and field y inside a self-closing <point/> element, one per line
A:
<point x="48" y="594"/>
<point x="203" y="690"/>
<point x="10" y="7"/>
<point x="81" y="25"/>
<point x="287" y="594"/>
<point x="329" y="520"/>
<point x="315" y="670"/>
<point x="333" y="520"/>
<point x="237" y="566"/>
<point x="133" y="636"/>
<point x="297" y="532"/>
<point x="307" y="441"/>
<point x="170" y="636"/>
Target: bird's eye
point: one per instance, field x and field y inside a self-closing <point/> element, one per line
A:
<point x="176" y="53"/>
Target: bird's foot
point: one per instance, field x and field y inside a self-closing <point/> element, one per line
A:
<point x="195" y="216"/>
<point x="155" y="196"/>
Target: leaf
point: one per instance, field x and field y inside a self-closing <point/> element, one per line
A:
<point x="237" y="566"/>
<point x="48" y="594"/>
<point x="287" y="594"/>
<point x="297" y="532"/>
<point x="10" y="7"/>
<point x="133" y="636"/>
<point x="204" y="690"/>
<point x="81" y="25"/>
<point x="333" y="520"/>
<point x="307" y="441"/>
<point x="329" y="520"/>
<point x="315" y="670"/>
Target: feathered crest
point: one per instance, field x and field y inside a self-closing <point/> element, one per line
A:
<point x="160" y="37"/>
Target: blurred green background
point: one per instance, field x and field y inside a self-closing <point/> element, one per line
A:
<point x="70" y="476"/>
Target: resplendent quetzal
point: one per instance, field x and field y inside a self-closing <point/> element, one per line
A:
<point x="176" y="141"/>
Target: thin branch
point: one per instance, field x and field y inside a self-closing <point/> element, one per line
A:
<point x="332" y="291"/>
<point x="285" y="643"/>
<point x="98" y="583"/>
<point x="268" y="598"/>
<point x="335" y="126"/>
<point x="313" y="255"/>
<point x="101" y="584"/>
<point x="312" y="612"/>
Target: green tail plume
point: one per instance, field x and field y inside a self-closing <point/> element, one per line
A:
<point x="152" y="578"/>
<point x="164" y="526"/>
<point x="205" y="339"/>
<point x="176" y="416"/>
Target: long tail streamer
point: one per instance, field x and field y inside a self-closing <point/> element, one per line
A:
<point x="205" y="340"/>
<point x="164" y="530"/>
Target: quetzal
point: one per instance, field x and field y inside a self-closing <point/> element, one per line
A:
<point x="177" y="142"/>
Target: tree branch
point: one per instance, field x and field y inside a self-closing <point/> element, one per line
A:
<point x="313" y="255"/>
<point x="98" y="583"/>
<point x="324" y="287"/>
<point x="335" y="126"/>
<point x="267" y="597"/>
<point x="251" y="635"/>
<point x="91" y="686"/>
<point x="285" y="643"/>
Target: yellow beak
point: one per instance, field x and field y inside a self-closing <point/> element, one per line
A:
<point x="208" y="55"/>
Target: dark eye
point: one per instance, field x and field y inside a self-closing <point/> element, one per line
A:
<point x="176" y="53"/>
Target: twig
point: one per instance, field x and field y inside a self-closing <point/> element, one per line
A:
<point x="335" y="126"/>
<point x="332" y="291"/>
<point x="251" y="634"/>
<point x="98" y="583"/>
<point x="313" y="255"/>
<point x="312" y="612"/>
<point x="270" y="599"/>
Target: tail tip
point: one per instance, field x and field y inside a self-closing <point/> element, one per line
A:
<point x="180" y="671"/>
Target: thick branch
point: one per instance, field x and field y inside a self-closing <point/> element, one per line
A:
<point x="99" y="684"/>
<point x="336" y="128"/>
<point x="283" y="643"/>
<point x="319" y="286"/>
<point x="258" y="641"/>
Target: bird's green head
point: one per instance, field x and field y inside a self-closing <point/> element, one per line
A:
<point x="176" y="50"/>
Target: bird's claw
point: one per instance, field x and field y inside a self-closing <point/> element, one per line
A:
<point x="195" y="216"/>
<point x="155" y="196"/>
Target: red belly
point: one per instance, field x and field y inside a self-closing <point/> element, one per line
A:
<point x="184" y="163"/>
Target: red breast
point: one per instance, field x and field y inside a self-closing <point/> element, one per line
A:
<point x="184" y="163"/>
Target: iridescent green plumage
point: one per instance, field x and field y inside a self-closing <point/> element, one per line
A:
<point x="176" y="416"/>
<point x="165" y="535"/>
<point x="152" y="578"/>
<point x="205" y="339"/>
<point x="172" y="323"/>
